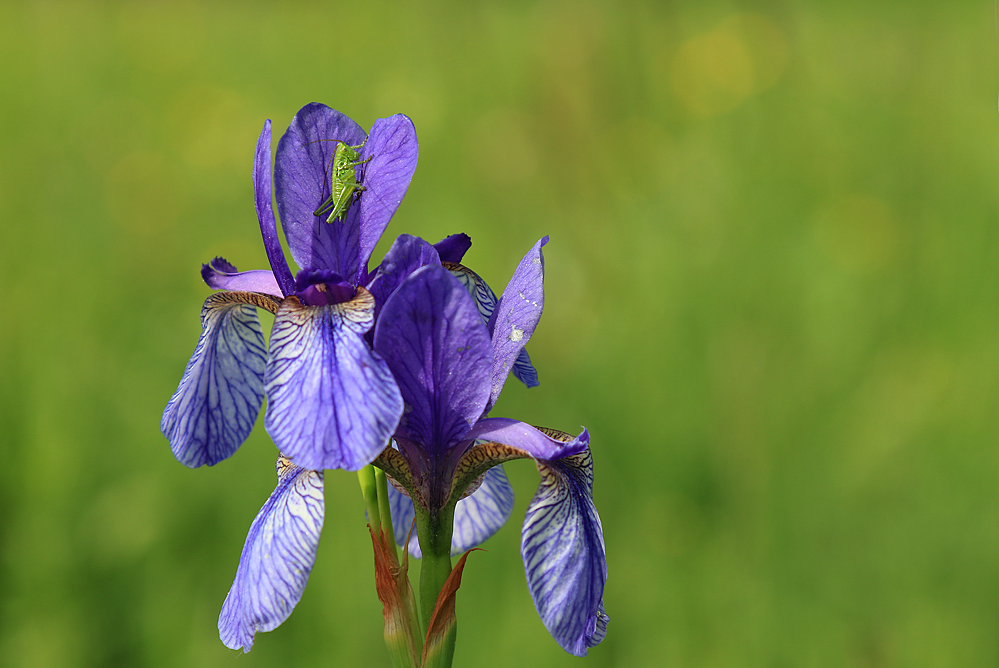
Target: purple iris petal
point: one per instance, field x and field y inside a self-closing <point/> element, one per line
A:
<point x="476" y="517"/>
<point x="562" y="544"/>
<point x="277" y="558"/>
<point x="220" y="275"/>
<point x="302" y="180"/>
<point x="486" y="302"/>
<point x="483" y="296"/>
<point x="394" y="151"/>
<point x="265" y="212"/>
<point x="438" y="349"/>
<point x="332" y="402"/>
<point x="219" y="396"/>
<point x="516" y="315"/>
<point x="533" y="441"/>
<point x="454" y="247"/>
<point x="407" y="254"/>
<point x="524" y="371"/>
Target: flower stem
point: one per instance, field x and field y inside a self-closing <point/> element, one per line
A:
<point x="385" y="509"/>
<point x="435" y="541"/>
<point x="369" y="489"/>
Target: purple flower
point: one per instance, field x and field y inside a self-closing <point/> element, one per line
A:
<point x="281" y="546"/>
<point x="331" y="400"/>
<point x="450" y="366"/>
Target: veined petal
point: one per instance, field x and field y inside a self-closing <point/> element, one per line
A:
<point x="454" y="247"/>
<point x="302" y="182"/>
<point x="562" y="545"/>
<point x="265" y="214"/>
<point x="219" y="396"/>
<point x="434" y="341"/>
<point x="220" y="275"/>
<point x="483" y="295"/>
<point x="486" y="302"/>
<point x="476" y="517"/>
<point x="332" y="402"/>
<point x="394" y="151"/>
<point x="277" y="558"/>
<point x="516" y="315"/>
<point x="407" y="254"/>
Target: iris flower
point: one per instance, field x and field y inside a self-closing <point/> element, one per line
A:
<point x="339" y="387"/>
<point x="450" y="366"/>
<point x="331" y="401"/>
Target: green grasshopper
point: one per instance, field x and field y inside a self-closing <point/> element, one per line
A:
<point x="343" y="183"/>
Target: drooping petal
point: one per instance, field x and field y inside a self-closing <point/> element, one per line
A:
<point x="220" y="275"/>
<point x="332" y="402"/>
<point x="454" y="247"/>
<point x="394" y="151"/>
<point x="562" y="545"/>
<point x="524" y="371"/>
<point x="407" y="254"/>
<point x="516" y="315"/>
<point x="537" y="442"/>
<point x="483" y="295"/>
<point x="265" y="213"/>
<point x="486" y="301"/>
<point x="438" y="349"/>
<point x="277" y="558"/>
<point x="219" y="396"/>
<point x="476" y="517"/>
<point x="303" y="180"/>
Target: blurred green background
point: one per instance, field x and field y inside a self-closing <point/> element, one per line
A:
<point x="772" y="296"/>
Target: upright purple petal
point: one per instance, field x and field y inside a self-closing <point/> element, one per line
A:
<point x="277" y="558"/>
<point x="562" y="545"/>
<point x="220" y="275"/>
<point x="332" y="402"/>
<point x="407" y="254"/>
<point x="302" y="180"/>
<point x="265" y="213"/>
<point x="476" y="517"/>
<point x="438" y="349"/>
<point x="516" y="315"/>
<point x="486" y="302"/>
<point x="394" y="151"/>
<point x="216" y="404"/>
<point x="453" y="248"/>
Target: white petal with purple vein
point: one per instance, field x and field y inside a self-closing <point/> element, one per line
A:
<point x="214" y="408"/>
<point x="277" y="558"/>
<point x="479" y="516"/>
<point x="332" y="402"/>
<point x="563" y="549"/>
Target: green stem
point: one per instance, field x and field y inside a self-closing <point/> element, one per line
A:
<point x="369" y="489"/>
<point x="385" y="509"/>
<point x="434" y="531"/>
